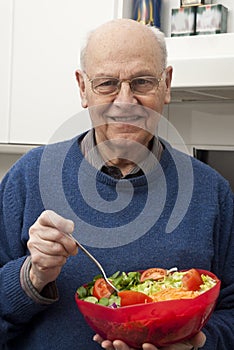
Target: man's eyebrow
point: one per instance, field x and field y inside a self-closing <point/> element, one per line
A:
<point x="142" y="73"/>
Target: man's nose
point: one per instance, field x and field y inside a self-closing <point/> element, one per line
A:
<point x="125" y="93"/>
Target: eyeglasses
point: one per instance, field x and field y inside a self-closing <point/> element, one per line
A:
<point x="111" y="86"/>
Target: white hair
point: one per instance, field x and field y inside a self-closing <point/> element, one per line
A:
<point x="160" y="37"/>
<point x="84" y="49"/>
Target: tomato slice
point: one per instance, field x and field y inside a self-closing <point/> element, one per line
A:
<point x="192" y="280"/>
<point x="131" y="297"/>
<point x="101" y="289"/>
<point x="153" y="273"/>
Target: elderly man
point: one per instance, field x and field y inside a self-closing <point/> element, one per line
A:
<point x="137" y="203"/>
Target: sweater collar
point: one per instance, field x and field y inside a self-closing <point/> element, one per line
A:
<point x="93" y="156"/>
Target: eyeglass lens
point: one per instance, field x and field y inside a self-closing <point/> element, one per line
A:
<point x="107" y="86"/>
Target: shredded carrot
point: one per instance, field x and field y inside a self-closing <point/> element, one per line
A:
<point x="174" y="293"/>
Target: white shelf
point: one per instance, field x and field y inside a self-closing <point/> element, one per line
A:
<point x="11" y="148"/>
<point x="202" y="61"/>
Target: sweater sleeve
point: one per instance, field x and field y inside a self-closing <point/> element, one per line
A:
<point x="16" y="307"/>
<point x="219" y="329"/>
<point x="48" y="295"/>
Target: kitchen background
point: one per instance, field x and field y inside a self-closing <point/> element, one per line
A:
<point x="40" y="42"/>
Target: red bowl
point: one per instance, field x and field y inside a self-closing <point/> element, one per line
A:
<point x="159" y="323"/>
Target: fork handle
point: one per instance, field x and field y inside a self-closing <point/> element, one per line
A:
<point x="94" y="260"/>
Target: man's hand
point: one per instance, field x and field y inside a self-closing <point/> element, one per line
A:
<point x="194" y="343"/>
<point x="49" y="247"/>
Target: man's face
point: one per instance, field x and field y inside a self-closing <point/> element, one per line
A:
<point x="125" y="53"/>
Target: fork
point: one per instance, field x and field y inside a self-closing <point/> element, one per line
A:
<point x="94" y="260"/>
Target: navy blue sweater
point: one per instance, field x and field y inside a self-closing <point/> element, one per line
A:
<point x="180" y="215"/>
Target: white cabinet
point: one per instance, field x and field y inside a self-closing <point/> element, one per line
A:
<point x="6" y="8"/>
<point x="47" y="36"/>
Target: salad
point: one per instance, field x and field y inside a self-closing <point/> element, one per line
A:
<point x="151" y="285"/>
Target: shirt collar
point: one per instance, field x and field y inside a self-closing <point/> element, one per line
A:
<point x="93" y="156"/>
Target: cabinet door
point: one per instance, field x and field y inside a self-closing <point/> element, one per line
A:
<point x="47" y="40"/>
<point x="5" y="57"/>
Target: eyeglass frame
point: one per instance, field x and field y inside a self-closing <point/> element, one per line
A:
<point x="120" y="81"/>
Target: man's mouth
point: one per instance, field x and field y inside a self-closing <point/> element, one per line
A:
<point x="124" y="119"/>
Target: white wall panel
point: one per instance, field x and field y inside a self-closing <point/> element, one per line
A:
<point x="47" y="40"/>
<point x="6" y="7"/>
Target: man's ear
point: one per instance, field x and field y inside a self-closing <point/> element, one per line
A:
<point x="168" y="79"/>
<point x="81" y="83"/>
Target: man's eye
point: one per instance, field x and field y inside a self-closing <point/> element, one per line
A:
<point x="142" y="81"/>
<point x="107" y="83"/>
